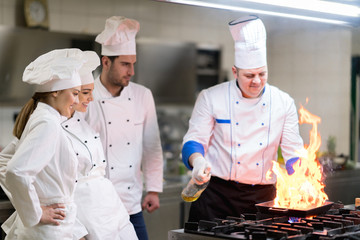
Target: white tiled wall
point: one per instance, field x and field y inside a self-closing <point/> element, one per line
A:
<point x="305" y="59"/>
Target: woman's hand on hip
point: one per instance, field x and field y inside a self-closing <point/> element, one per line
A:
<point x="52" y="213"/>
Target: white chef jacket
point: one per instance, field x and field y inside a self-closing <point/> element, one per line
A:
<point x="5" y="155"/>
<point x="100" y="209"/>
<point x="130" y="135"/>
<point x="42" y="172"/>
<point x="241" y="136"/>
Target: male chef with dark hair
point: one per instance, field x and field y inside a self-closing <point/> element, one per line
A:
<point x="124" y="114"/>
<point x="235" y="130"/>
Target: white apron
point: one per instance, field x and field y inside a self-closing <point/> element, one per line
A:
<point x="100" y="209"/>
<point x="130" y="136"/>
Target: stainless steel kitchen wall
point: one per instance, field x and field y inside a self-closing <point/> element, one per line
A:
<point x="20" y="46"/>
<point x="168" y="68"/>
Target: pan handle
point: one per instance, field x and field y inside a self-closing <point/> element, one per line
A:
<point x="278" y="210"/>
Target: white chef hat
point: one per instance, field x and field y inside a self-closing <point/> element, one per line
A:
<point x="249" y="35"/>
<point x="92" y="61"/>
<point x="118" y="37"/>
<point x="53" y="71"/>
<point x="89" y="60"/>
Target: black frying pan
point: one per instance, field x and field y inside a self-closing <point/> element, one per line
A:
<point x="267" y="208"/>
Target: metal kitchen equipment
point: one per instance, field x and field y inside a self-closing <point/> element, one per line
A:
<point x="338" y="222"/>
<point x="168" y="68"/>
<point x="268" y="208"/>
<point x="20" y="46"/>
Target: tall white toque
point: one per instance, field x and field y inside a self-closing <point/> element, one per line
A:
<point x="118" y="37"/>
<point x="249" y="35"/>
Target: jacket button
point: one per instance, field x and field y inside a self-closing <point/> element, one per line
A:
<point x="109" y="122"/>
<point x="66" y="126"/>
<point x="104" y="160"/>
<point x="102" y="101"/>
<point x="128" y="187"/>
<point x="76" y="181"/>
<point x="112" y="168"/>
<point x="110" y="145"/>
<point x="78" y="120"/>
<point x="77" y="154"/>
<point x="95" y="137"/>
<point x="127" y="120"/>
<point x="128" y="143"/>
<point x="129" y="99"/>
<point x="130" y="166"/>
<point x="85" y="141"/>
<point x="94" y="165"/>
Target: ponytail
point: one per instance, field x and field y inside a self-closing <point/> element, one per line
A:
<point x="26" y="111"/>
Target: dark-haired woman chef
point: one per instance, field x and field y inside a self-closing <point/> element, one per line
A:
<point x="41" y="175"/>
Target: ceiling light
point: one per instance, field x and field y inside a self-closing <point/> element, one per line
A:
<point x="315" y="5"/>
<point x="333" y="13"/>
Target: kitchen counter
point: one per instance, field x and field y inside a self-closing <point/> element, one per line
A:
<point x="343" y="185"/>
<point x="179" y="234"/>
<point x="173" y="210"/>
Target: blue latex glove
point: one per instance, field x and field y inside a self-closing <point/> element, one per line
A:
<point x="289" y="165"/>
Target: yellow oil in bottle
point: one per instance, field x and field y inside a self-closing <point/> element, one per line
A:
<point x="189" y="199"/>
<point x="193" y="191"/>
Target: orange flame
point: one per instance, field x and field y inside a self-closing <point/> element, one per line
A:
<point x="303" y="189"/>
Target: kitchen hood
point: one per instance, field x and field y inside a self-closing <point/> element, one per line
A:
<point x="20" y="46"/>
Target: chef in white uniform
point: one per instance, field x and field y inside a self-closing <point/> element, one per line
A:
<point x="42" y="174"/>
<point x="124" y="114"/>
<point x="235" y="130"/>
<point x="100" y="209"/>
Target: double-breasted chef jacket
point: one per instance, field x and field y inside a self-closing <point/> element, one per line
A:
<point x="100" y="209"/>
<point x="130" y="136"/>
<point x="13" y="221"/>
<point x="42" y="171"/>
<point x="240" y="136"/>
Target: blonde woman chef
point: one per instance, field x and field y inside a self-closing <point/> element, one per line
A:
<point x="100" y="209"/>
<point x="41" y="176"/>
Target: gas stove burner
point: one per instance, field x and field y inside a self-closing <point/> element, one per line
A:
<point x="335" y="224"/>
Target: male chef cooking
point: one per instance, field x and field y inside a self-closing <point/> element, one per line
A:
<point x="235" y="130"/>
<point x="124" y="114"/>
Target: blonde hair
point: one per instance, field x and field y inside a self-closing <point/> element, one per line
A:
<point x="26" y="111"/>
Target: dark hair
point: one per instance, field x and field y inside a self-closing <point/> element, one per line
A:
<point x="112" y="58"/>
<point x="26" y="111"/>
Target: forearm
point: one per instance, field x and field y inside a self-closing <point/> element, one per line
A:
<point x="192" y="157"/>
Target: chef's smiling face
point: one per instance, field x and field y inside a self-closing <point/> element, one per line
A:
<point x="251" y="81"/>
<point x="64" y="100"/>
<point x="85" y="97"/>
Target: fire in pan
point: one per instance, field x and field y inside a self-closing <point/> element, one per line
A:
<point x="268" y="208"/>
